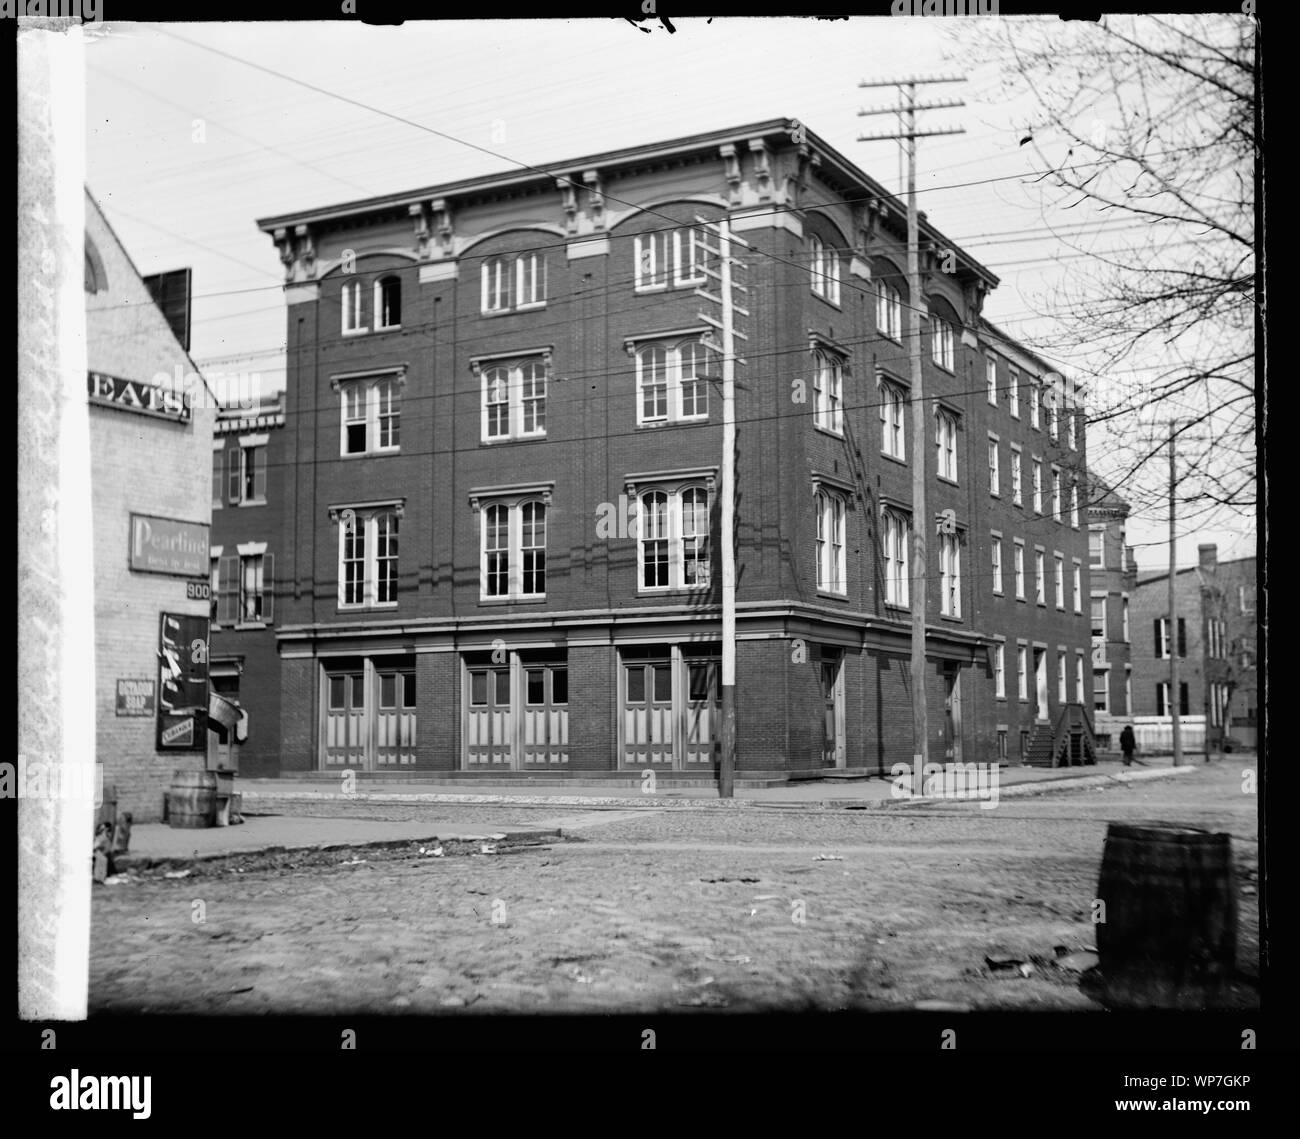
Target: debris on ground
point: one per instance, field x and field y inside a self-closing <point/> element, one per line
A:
<point x="997" y="963"/>
<point x="739" y="959"/>
<point x="829" y="858"/>
<point x="750" y="880"/>
<point x="1026" y="969"/>
<point x="1079" y="962"/>
<point x="489" y="848"/>
<point x="353" y="862"/>
<point x="177" y="874"/>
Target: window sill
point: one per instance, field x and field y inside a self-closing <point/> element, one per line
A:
<point x="950" y="618"/>
<point x="942" y="367"/>
<point x="897" y="608"/>
<point x="500" y="439"/>
<point x="831" y="595"/>
<point x="828" y="431"/>
<point x="893" y="458"/>
<point x="531" y="599"/>
<point x="687" y="421"/>
<point x="389" y="328"/>
<point x="368" y="454"/>
<point x="355" y="331"/>
<point x="252" y="502"/>
<point x="380" y="606"/>
<point x="673" y="590"/>
<point x="1020" y="599"/>
<point x="530" y="307"/>
<point x="242" y="625"/>
<point x="998" y="593"/>
<point x="945" y="478"/>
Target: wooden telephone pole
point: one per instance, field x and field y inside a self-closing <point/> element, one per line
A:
<point x="920" y="437"/>
<point x="727" y="488"/>
<point x="1171" y="637"/>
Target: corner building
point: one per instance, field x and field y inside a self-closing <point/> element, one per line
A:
<point x="502" y="462"/>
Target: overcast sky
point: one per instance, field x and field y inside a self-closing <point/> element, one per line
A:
<point x="537" y="92"/>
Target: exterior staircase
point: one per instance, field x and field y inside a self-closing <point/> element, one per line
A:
<point x="1067" y="743"/>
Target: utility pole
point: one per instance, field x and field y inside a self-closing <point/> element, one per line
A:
<point x="920" y="437"/>
<point x="1172" y="638"/>
<point x="727" y="489"/>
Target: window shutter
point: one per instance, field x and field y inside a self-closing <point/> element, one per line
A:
<point x="1158" y="640"/>
<point x="487" y="266"/>
<point x="258" y="458"/>
<point x="1182" y="699"/>
<point x="236" y="469"/>
<point x="228" y="603"/>
<point x="218" y="475"/>
<point x="1160" y="699"/>
<point x="268" y="587"/>
<point x="1182" y="637"/>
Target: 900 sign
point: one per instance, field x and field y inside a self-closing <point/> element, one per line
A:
<point x="198" y="591"/>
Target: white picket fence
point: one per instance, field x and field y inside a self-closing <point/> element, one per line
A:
<point x="1156" y="733"/>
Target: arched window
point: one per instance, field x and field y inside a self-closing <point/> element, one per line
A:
<point x="830" y="541"/>
<point x="697" y="363"/>
<point x="695" y="536"/>
<point x="825" y="270"/>
<point x="893" y="532"/>
<point x="388" y="302"/>
<point x="386" y="558"/>
<point x="496" y="551"/>
<point x="652" y="383"/>
<point x="532" y="547"/>
<point x="653" y="523"/>
<point x="828" y="371"/>
<point x="496" y="403"/>
<point x="889" y="311"/>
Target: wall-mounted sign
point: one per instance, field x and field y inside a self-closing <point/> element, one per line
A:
<point x="198" y="590"/>
<point x="182" y="682"/>
<point x="166" y="545"/>
<point x="135" y="697"/>
<point x="133" y="395"/>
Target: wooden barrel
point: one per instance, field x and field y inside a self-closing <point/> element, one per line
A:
<point x="1169" y="935"/>
<point x="192" y="799"/>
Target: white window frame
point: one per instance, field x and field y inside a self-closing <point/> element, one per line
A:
<point x="350" y="306"/>
<point x="1022" y="671"/>
<point x="1058" y="578"/>
<point x="995" y="470"/>
<point x="832" y="511"/>
<point x="675" y="534"/>
<point x="1017" y="470"/>
<point x="1040" y="577"/>
<point x="248" y="552"/>
<point x="495" y="282"/>
<point x="996" y="556"/>
<point x="950" y="575"/>
<point x="516" y="400"/>
<point x="514" y="506"/>
<point x="895" y="544"/>
<point x="945" y="442"/>
<point x="991" y="377"/>
<point x="660" y="263"/>
<point x="366" y="519"/>
<point x="893" y="423"/>
<point x="1056" y="495"/>
<point x="943" y="343"/>
<point x="1101" y="689"/>
<point x="1099" y="599"/>
<point x="1074" y="504"/>
<point x="824" y="264"/>
<point x="1062" y="678"/>
<point x="1071" y="429"/>
<point x="1097" y="559"/>
<point x="1124" y="618"/>
<point x="378" y="294"/>
<point x="1000" y="671"/>
<point x="251" y="450"/>
<point x="1013" y="391"/>
<point x="828" y="391"/>
<point x="1078" y="677"/>
<point x="1078" y="585"/>
<point x="1018" y="567"/>
<point x="889" y="311"/>
<point x="1037" y="478"/>
<point x="1035" y="405"/>
<point x="674" y="397"/>
<point x="372" y="407"/>
<point x="530" y="281"/>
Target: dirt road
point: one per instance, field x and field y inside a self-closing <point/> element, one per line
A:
<point x="662" y="910"/>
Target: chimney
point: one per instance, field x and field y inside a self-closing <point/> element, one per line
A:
<point x="1208" y="556"/>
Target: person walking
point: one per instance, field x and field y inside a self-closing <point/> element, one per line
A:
<point x="1128" y="745"/>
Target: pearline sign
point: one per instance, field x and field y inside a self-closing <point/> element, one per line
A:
<point x="170" y="546"/>
<point x="133" y="395"/>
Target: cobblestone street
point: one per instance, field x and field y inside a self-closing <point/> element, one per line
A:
<point x="651" y="910"/>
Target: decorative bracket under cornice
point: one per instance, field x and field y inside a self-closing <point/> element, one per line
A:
<point x="442" y="225"/>
<point x="731" y="160"/>
<point x="419" y="213"/>
<point x="595" y="198"/>
<point x="762" y="168"/>
<point x="569" y="197"/>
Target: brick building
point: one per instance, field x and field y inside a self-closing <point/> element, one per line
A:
<point x="1114" y="576"/>
<point x="511" y="373"/>
<point x="1216" y="641"/>
<point x="248" y="505"/>
<point x="149" y="468"/>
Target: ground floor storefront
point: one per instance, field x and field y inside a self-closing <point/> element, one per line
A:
<point x="812" y="696"/>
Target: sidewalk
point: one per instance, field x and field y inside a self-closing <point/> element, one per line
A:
<point x="156" y="842"/>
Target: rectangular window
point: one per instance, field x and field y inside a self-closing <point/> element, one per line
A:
<point x="889" y="311"/>
<point x="1040" y="582"/>
<point x="1078" y="678"/>
<point x="996" y="547"/>
<point x="824" y="270"/>
<point x="371" y="416"/>
<point x="350" y="300"/>
<point x="248" y="476"/>
<point x="893" y="530"/>
<point x="218" y="477"/>
<point x="892" y="436"/>
<point x="1061" y="681"/>
<point x="689" y="253"/>
<point x="1163" y="707"/>
<point x="828" y="392"/>
<point x="255" y="588"/>
<point x="995" y="479"/>
<point x="1096" y="547"/>
<point x="1099" y="618"/>
<point x="1038" y="486"/>
<point x="831" y="510"/>
<point x="367" y="558"/>
<point x="945" y="441"/>
<point x="1056" y="494"/>
<point x="388" y="302"/>
<point x="1163" y="647"/>
<point x="1078" y="587"/>
<point x="1000" y="671"/>
<point x="1071" y="429"/>
<point x="673" y="538"/>
<point x="1022" y="672"/>
<point x="1124" y="613"/>
<point x="1051" y="418"/>
<point x="1246" y="600"/>
<point x="651" y="251"/>
<point x="950" y="575"/>
<point x="942" y="342"/>
<point x="513" y="549"/>
<point x="1016" y="498"/>
<point x="495" y="285"/>
<point x="1035" y="404"/>
<point x="1013" y="392"/>
<point x="1100" y="690"/>
<point x="991" y="379"/>
<point x="1074" y="505"/>
<point x="1059" y="581"/>
<point x="530" y="280"/>
<point x="672" y="381"/>
<point x="514" y="400"/>
<point x="1018" y="566"/>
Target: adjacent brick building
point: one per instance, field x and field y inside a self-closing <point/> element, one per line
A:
<point x="501" y="466"/>
<point x="1114" y="576"/>
<point x="1216" y="641"/>
<point x="149" y="468"/>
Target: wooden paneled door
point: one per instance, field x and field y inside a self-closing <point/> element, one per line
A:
<point x="347" y="722"/>
<point x="368" y="714"/>
<point x="395" y="719"/>
<point x="832" y="687"/>
<point x="668" y="701"/>
<point x="490" y="724"/>
<point x="516" y="712"/>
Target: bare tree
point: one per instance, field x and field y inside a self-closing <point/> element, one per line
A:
<point x="1146" y="126"/>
